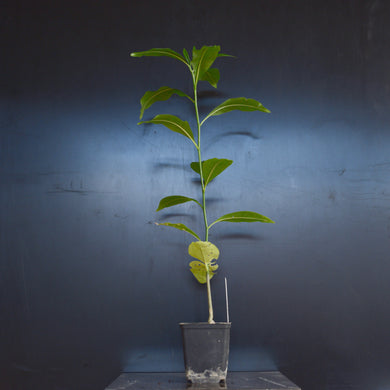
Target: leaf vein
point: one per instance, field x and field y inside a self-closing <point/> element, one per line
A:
<point x="172" y="54"/>
<point x="200" y="62"/>
<point x="211" y="172"/>
<point x="233" y="105"/>
<point x="180" y="127"/>
<point x="156" y="94"/>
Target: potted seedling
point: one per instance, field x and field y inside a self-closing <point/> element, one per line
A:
<point x="207" y="340"/>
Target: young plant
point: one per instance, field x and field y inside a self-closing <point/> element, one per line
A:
<point x="199" y="66"/>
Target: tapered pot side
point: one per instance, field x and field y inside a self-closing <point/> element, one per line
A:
<point x="206" y="351"/>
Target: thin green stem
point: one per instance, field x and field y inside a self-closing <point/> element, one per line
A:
<point x="200" y="160"/>
<point x="206" y="226"/>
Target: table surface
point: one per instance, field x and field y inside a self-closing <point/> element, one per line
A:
<point x="254" y="380"/>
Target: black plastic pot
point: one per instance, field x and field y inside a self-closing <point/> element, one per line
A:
<point x="206" y="351"/>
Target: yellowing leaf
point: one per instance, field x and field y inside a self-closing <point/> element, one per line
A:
<point x="205" y="251"/>
<point x="199" y="270"/>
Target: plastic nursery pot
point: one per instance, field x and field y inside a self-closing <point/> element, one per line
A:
<point x="206" y="351"/>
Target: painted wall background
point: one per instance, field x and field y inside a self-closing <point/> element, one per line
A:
<point x="90" y="287"/>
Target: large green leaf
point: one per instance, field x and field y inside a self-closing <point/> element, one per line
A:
<point x="205" y="251"/>
<point x="163" y="93"/>
<point x="211" y="168"/>
<point x="179" y="226"/>
<point x="243" y="216"/>
<point x="199" y="270"/>
<point x="159" y="52"/>
<point x="212" y="76"/>
<point x="202" y="59"/>
<point x="173" y="123"/>
<point x="241" y="103"/>
<point x="173" y="200"/>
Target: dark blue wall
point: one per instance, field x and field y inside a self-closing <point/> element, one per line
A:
<point x="89" y="287"/>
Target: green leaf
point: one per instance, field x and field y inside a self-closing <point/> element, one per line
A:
<point x="173" y="123"/>
<point x="205" y="251"/>
<point x="186" y="56"/>
<point x="212" y="76"/>
<point x="202" y="59"/>
<point x="241" y="103"/>
<point x="211" y="168"/>
<point x="179" y="226"/>
<point x="159" y="52"/>
<point x="163" y="93"/>
<point x="199" y="270"/>
<point x="173" y="200"/>
<point x="243" y="216"/>
<point x="225" y="55"/>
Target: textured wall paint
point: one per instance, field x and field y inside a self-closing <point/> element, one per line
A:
<point x="89" y="287"/>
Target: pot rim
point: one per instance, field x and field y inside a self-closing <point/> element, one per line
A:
<point x="205" y="325"/>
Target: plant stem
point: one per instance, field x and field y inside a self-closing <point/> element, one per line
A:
<point x="211" y="313"/>
<point x="200" y="165"/>
<point x="206" y="226"/>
